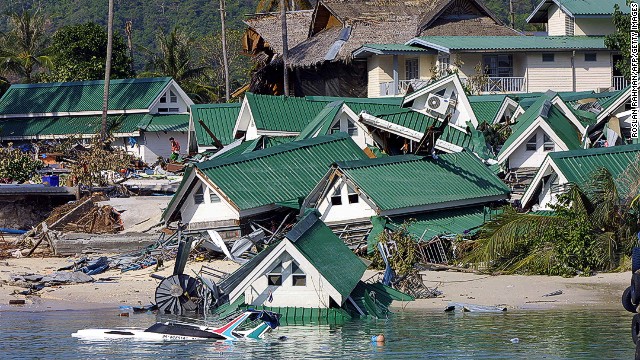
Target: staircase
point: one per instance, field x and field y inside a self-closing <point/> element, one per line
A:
<point x="519" y="180"/>
<point x="354" y="234"/>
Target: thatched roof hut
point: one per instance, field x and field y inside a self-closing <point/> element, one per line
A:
<point x="265" y="31"/>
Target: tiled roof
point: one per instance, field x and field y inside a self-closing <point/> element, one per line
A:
<point x="284" y="172"/>
<point x="577" y="166"/>
<point x="407" y="181"/>
<point x="173" y="122"/>
<point x="459" y="43"/>
<point x="124" y="94"/>
<point x="280" y="113"/>
<point x="328" y="254"/>
<point x="49" y="127"/>
<point x="219" y="118"/>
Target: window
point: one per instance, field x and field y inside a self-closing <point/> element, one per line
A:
<point x="174" y="110"/>
<point x="299" y="278"/>
<point x="213" y="198"/>
<point x="336" y="198"/>
<point x="590" y="57"/>
<point x="163" y="99"/>
<point x="444" y="62"/>
<point x="198" y="197"/>
<point x="532" y="144"/>
<point x="172" y="97"/>
<point x="411" y="69"/>
<point x="274" y="277"/>
<point x="163" y="110"/>
<point x="352" y="195"/>
<point x="352" y="129"/>
<point x="498" y="65"/>
<point x="335" y="128"/>
<point x="548" y="58"/>
<point x="548" y="143"/>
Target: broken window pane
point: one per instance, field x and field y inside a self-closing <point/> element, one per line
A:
<point x="274" y="278"/>
<point x="353" y="195"/>
<point x="336" y="198"/>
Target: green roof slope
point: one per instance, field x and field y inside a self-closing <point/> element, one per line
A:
<point x="327" y="253"/>
<point x="485" y="110"/>
<point x="406" y="181"/>
<point x="284" y="172"/>
<point x="578" y="165"/>
<point x="219" y="118"/>
<point x="605" y="103"/>
<point x="281" y="113"/>
<point x="33" y="128"/>
<point x="126" y="94"/>
<point x="594" y="7"/>
<point x="425" y="226"/>
<point x="322" y="122"/>
<point x="173" y="122"/>
<point x="460" y="43"/>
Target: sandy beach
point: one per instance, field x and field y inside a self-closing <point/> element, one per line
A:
<point x="138" y="288"/>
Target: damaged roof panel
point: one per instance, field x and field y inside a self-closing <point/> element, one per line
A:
<point x="280" y="113"/>
<point x="219" y="118"/>
<point x="50" y="127"/>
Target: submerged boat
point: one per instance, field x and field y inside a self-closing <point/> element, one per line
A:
<point x="167" y="331"/>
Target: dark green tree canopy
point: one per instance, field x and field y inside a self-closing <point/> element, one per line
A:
<point x="621" y="40"/>
<point x="79" y="52"/>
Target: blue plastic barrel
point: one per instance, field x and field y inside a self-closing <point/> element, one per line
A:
<point x="52" y="180"/>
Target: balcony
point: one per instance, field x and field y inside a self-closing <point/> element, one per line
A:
<point x="619" y="82"/>
<point x="388" y="88"/>
<point x="513" y="84"/>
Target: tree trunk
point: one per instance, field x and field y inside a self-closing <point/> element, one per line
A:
<point x="285" y="46"/>
<point x="107" y="73"/>
<point x="224" y="52"/>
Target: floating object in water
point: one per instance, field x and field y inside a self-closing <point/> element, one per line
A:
<point x="451" y="307"/>
<point x="379" y="339"/>
<point x="515" y="340"/>
<point x="557" y="292"/>
<point x="176" y="331"/>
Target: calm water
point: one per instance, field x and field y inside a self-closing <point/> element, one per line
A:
<point x="542" y="334"/>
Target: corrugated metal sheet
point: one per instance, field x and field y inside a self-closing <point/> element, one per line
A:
<point x="219" y="118"/>
<point x="124" y="94"/>
<point x="394" y="48"/>
<point x="578" y="165"/>
<point x="322" y="121"/>
<point x="605" y="103"/>
<point x="27" y="128"/>
<point x="173" y="122"/>
<point x="464" y="221"/>
<point x="330" y="256"/>
<point x="398" y="182"/>
<point x="515" y="42"/>
<point x="280" y="113"/>
<point x="486" y="111"/>
<point x="280" y="173"/>
<point x="594" y="7"/>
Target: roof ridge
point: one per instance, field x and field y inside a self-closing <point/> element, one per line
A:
<point x="214" y="106"/>
<point x="89" y="82"/>
<point x="290" y="146"/>
<point x="354" y="164"/>
<point x="594" y="151"/>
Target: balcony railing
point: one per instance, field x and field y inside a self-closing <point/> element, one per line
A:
<point x="387" y="88"/>
<point x="619" y="82"/>
<point x="513" y="84"/>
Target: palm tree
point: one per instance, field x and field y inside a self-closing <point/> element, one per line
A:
<point x="23" y="48"/>
<point x="594" y="225"/>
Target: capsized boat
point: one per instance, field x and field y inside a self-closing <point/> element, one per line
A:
<point x="168" y="331"/>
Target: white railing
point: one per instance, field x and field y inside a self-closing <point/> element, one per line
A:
<point x="619" y="82"/>
<point x="387" y="88"/>
<point x="505" y="84"/>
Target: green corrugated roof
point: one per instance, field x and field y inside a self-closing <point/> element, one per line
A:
<point x="328" y="254"/>
<point x="243" y="147"/>
<point x="614" y="97"/>
<point x="404" y="181"/>
<point x="219" y="118"/>
<point x="284" y="172"/>
<point x="579" y="8"/>
<point x="564" y="128"/>
<point x="447" y="43"/>
<point x="281" y="113"/>
<point x="462" y="221"/>
<point x="389" y="100"/>
<point x="68" y="125"/>
<point x="126" y="94"/>
<point x="173" y="122"/>
<point x="486" y="110"/>
<point x="322" y="122"/>
<point x="393" y="47"/>
<point x="577" y="166"/>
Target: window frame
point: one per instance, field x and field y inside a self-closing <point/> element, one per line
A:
<point x="198" y="196"/>
<point x="546" y="141"/>
<point x="297" y="274"/>
<point x="352" y="128"/>
<point x="552" y="55"/>
<point x="274" y="277"/>
<point x="494" y="65"/>
<point x="533" y="140"/>
<point x="411" y="68"/>
<point x="594" y="59"/>
<point x="351" y="195"/>
<point x="336" y="198"/>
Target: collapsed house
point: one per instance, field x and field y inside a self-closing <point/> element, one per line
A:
<point x="399" y="188"/>
<point x="309" y="275"/>
<point x="211" y="126"/>
<point x="228" y="194"/>
<point x="143" y="114"/>
<point x="322" y="64"/>
<point x="561" y="169"/>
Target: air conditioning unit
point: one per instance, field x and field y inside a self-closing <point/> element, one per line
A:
<point x="437" y="104"/>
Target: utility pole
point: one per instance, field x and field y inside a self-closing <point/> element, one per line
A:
<point x="224" y="51"/>
<point x="128" y="30"/>
<point x="285" y="45"/>
<point x="512" y="15"/>
<point x="107" y="72"/>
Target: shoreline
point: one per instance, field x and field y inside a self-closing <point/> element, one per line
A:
<point x="515" y="292"/>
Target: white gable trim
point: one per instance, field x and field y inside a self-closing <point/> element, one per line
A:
<point x="616" y="104"/>
<point x="181" y="92"/>
<point x="200" y="175"/>
<point x="539" y="123"/>
<point x="517" y="112"/>
<point x="239" y="126"/>
<point x="568" y="113"/>
<point x="535" y="183"/>
<point x="503" y="108"/>
<point x="418" y="41"/>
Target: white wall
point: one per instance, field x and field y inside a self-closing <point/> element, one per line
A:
<point x="556" y="75"/>
<point x="460" y="116"/>
<point x="156" y="143"/>
<point x="380" y="69"/>
<point x="345" y="212"/>
<point x="591" y="75"/>
<point x="586" y="26"/>
<point x="180" y="104"/>
<point x="362" y="138"/>
<point x="193" y="213"/>
<point x="556" y="19"/>
<point x="521" y="158"/>
<point x="310" y="296"/>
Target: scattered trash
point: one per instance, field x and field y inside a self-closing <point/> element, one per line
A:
<point x="462" y="307"/>
<point x="36" y="282"/>
<point x="515" y="340"/>
<point x="557" y="292"/>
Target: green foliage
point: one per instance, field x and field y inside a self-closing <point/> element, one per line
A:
<point x="17" y="166"/>
<point x="96" y="166"/>
<point x="79" y="53"/>
<point x="621" y="40"/>
<point x="403" y="250"/>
